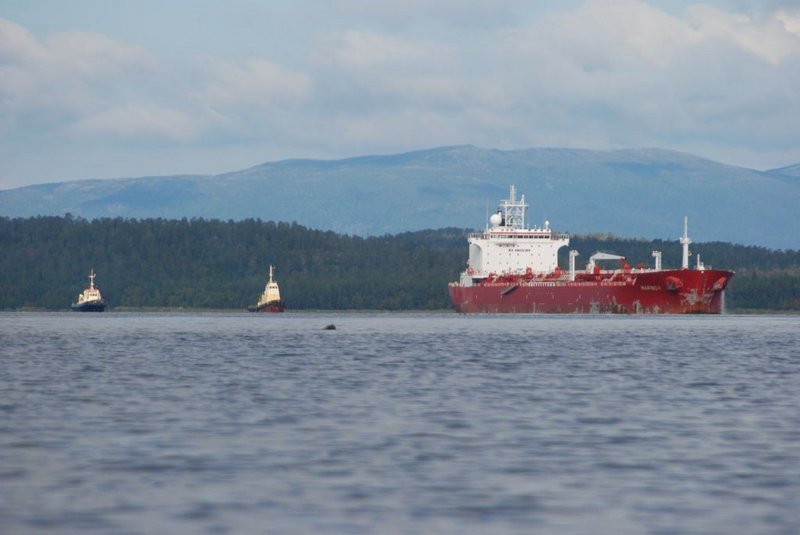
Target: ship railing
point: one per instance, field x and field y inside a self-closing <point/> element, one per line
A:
<point x="553" y="236"/>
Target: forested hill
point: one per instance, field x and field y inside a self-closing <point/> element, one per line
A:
<point x="217" y="264"/>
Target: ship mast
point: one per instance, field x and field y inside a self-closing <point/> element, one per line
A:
<point x="513" y="211"/>
<point x="91" y="279"/>
<point x="685" y="241"/>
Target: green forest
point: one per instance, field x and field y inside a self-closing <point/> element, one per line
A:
<point x="200" y="263"/>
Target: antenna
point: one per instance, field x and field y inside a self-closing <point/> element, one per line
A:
<point x="513" y="210"/>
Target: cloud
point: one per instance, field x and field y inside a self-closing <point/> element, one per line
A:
<point x="398" y="75"/>
<point x="604" y="74"/>
<point x="254" y="81"/>
<point x="91" y="55"/>
<point x="18" y="45"/>
<point x="613" y="35"/>
<point x="474" y="15"/>
<point x="63" y="72"/>
<point x="771" y="38"/>
<point x="141" y="122"/>
<point x="790" y="20"/>
<point x="367" y="49"/>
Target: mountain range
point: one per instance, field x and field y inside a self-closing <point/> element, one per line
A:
<point x="628" y="193"/>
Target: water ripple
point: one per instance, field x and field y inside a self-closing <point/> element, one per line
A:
<point x="398" y="423"/>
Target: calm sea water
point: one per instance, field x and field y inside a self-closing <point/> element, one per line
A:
<point x="398" y="423"/>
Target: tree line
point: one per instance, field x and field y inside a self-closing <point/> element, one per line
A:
<point x="202" y="263"/>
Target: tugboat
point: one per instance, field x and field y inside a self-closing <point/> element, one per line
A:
<point x="271" y="298"/>
<point x="512" y="268"/>
<point x="90" y="300"/>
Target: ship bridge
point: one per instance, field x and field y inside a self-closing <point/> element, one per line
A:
<point x="506" y="246"/>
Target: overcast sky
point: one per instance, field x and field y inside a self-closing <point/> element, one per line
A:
<point x="104" y="89"/>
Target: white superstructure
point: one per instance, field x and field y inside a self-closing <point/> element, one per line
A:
<point x="90" y="294"/>
<point x="271" y="291"/>
<point x="507" y="247"/>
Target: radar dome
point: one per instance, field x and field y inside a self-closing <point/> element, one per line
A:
<point x="495" y="220"/>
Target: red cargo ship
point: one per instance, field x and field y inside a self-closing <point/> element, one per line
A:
<point x="512" y="268"/>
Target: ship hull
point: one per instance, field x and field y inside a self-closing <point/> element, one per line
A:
<point x="272" y="306"/>
<point x="96" y="306"/>
<point x="657" y="292"/>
